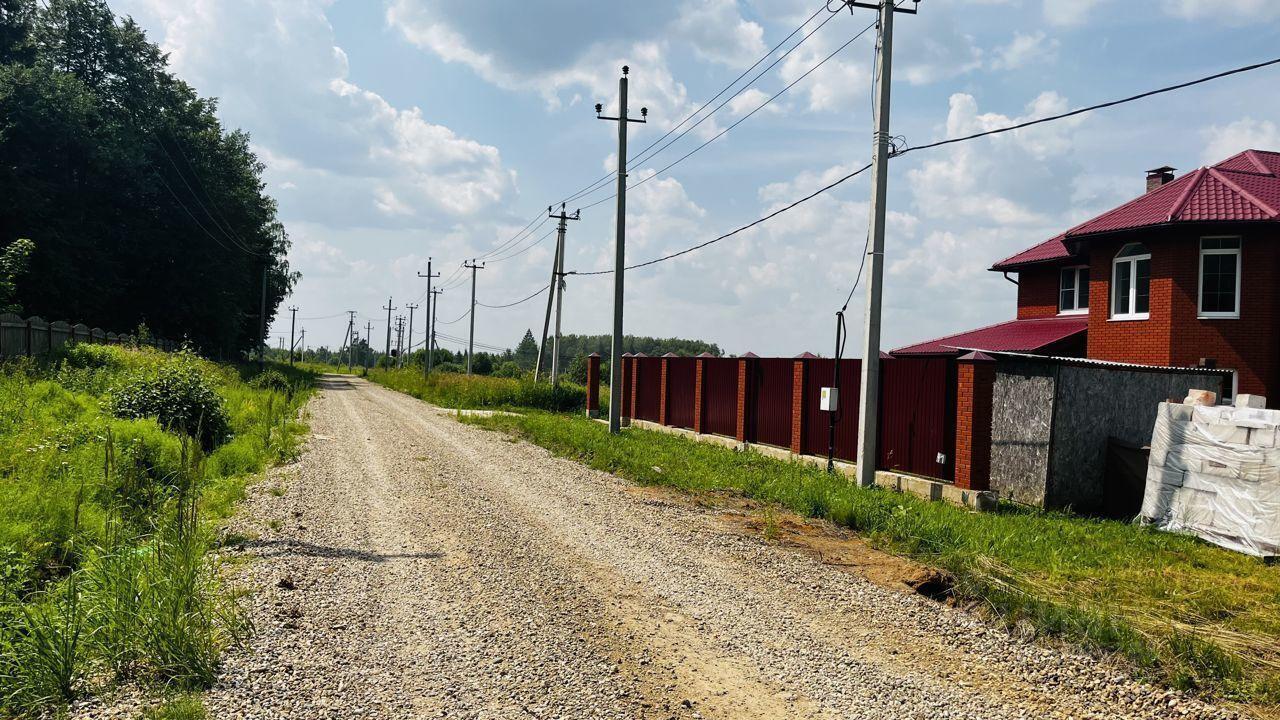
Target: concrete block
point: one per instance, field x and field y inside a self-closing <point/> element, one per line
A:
<point x="1191" y="508"/>
<point x="1206" y="483"/>
<point x="1207" y="398"/>
<point x="1156" y="501"/>
<point x="1264" y="437"/>
<point x="1174" y="411"/>
<point x="1224" y="433"/>
<point x="1245" y="400"/>
<point x="1165" y="476"/>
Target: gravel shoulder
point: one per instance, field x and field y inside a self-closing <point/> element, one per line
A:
<point x="418" y="567"/>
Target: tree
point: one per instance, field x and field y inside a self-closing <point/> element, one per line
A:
<point x="13" y="264"/>
<point x="141" y="205"/>
<point x="527" y="351"/>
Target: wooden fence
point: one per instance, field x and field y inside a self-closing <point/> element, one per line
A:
<point x="34" y="336"/>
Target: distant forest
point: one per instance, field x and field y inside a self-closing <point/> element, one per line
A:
<point x="123" y="200"/>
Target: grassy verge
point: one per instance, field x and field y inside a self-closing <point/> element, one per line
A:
<point x="453" y="390"/>
<point x="115" y="464"/>
<point x="1189" y="614"/>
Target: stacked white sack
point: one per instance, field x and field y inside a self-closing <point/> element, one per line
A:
<point x="1215" y="472"/>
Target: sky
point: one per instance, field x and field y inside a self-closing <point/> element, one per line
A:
<point x="394" y="131"/>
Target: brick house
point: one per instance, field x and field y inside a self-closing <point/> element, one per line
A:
<point x="1184" y="275"/>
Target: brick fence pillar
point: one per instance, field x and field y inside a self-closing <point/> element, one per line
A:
<point x="628" y="369"/>
<point x="593" y="385"/>
<point x="662" y="389"/>
<point x="699" y="368"/>
<point x="798" y="369"/>
<point x="975" y="378"/>
<point x="635" y="382"/>
<point x="744" y="388"/>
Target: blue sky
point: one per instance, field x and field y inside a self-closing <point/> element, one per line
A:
<point x="394" y="130"/>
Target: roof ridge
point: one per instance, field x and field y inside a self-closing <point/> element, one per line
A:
<point x="1262" y="167"/>
<point x="1181" y="202"/>
<point x="1244" y="193"/>
<point x="1163" y="188"/>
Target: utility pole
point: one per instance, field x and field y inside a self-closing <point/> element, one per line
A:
<point x="399" y="339"/>
<point x="302" y="342"/>
<point x="262" y="322"/>
<point x="556" y="291"/>
<point x="368" y="349"/>
<point x="388" y="308"/>
<point x="619" y="251"/>
<point x="411" y="307"/>
<point x="352" y="333"/>
<point x="471" y="338"/>
<point x="430" y="317"/>
<point x="293" y="320"/>
<point x="869" y="397"/>
<point x="431" y="334"/>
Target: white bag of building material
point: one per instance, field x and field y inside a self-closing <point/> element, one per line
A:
<point x="1215" y="472"/>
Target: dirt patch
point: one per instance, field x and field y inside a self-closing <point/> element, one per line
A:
<point x="828" y="543"/>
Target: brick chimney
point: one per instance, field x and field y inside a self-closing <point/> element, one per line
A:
<point x="1157" y="177"/>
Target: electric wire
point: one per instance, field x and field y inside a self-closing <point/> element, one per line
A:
<point x="535" y="294"/>
<point x="525" y="249"/>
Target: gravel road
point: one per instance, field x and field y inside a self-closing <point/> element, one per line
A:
<point x="418" y="567"/>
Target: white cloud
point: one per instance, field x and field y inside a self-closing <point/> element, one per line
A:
<point x="1235" y="12"/>
<point x="1068" y="12"/>
<point x="1243" y="134"/>
<point x="350" y="153"/>
<point x="719" y="33"/>
<point x="1025" y="49"/>
<point x="750" y="100"/>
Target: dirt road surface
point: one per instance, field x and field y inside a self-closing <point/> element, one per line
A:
<point x="418" y="567"/>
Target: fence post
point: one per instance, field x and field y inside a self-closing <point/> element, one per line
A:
<point x="663" y="390"/>
<point x="975" y="379"/>
<point x="699" y="368"/>
<point x="628" y="370"/>
<point x="798" y="367"/>
<point x="744" y="389"/>
<point x="593" y="385"/>
<point x="635" y="380"/>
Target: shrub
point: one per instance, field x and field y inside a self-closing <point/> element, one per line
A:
<point x="179" y="397"/>
<point x="271" y="380"/>
<point x="448" y="367"/>
<point x="509" y="369"/>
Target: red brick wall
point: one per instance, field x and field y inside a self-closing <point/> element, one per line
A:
<point x="697" y="394"/>
<point x="741" y="433"/>
<point x="974" y="381"/>
<point x="1038" y="292"/>
<point x="1174" y="335"/>
<point x="662" y="394"/>
<point x="593" y="385"/>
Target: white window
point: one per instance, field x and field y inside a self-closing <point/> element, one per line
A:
<point x="1131" y="283"/>
<point x="1073" y="291"/>
<point x="1219" y="277"/>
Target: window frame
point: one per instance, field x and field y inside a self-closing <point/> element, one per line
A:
<point x="1077" y="310"/>
<point x="1238" y="251"/>
<point x="1132" y="261"/>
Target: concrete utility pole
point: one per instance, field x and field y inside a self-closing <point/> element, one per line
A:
<point x="556" y="289"/>
<point x="620" y="251"/>
<point x="869" y="397"/>
<point x="368" y="349"/>
<point x="399" y="340"/>
<point x="388" y="308"/>
<point x="471" y="338"/>
<point x="352" y="334"/>
<point x="293" y="321"/>
<point x="262" y="322"/>
<point x="430" y="315"/>
<point x="302" y="343"/>
<point x="409" y="345"/>
<point x="431" y="333"/>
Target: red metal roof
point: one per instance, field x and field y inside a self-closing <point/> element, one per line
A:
<point x="1013" y="336"/>
<point x="1244" y="187"/>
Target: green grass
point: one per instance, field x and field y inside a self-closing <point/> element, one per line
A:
<point x="453" y="390"/>
<point x="105" y="521"/>
<point x="1186" y="613"/>
<point x="183" y="708"/>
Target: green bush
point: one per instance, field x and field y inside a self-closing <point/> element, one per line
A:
<point x="179" y="396"/>
<point x="449" y="367"/>
<point x="273" y="380"/>
<point x="509" y="369"/>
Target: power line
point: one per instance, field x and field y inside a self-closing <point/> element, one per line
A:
<point x="742" y="119"/>
<point x="644" y="155"/>
<point x="460" y="317"/>
<point x="526" y="248"/>
<point x="1091" y="108"/>
<point x="951" y="141"/>
<point x="535" y="294"/>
